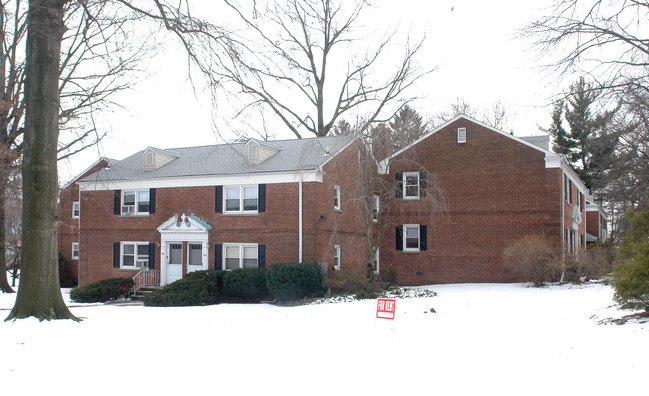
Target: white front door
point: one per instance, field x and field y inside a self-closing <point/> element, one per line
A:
<point x="175" y="263"/>
<point x="194" y="257"/>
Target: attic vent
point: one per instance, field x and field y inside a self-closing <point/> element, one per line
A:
<point x="461" y="135"/>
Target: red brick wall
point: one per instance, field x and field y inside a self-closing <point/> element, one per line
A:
<point x="69" y="227"/>
<point x="494" y="190"/>
<point x="277" y="228"/>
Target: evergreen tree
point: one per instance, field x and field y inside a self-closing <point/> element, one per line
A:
<point x="590" y="141"/>
<point x="631" y="276"/>
<point x="407" y="126"/>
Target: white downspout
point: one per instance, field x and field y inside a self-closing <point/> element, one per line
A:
<point x="300" y="218"/>
<point x="562" y="199"/>
<point x="79" y="238"/>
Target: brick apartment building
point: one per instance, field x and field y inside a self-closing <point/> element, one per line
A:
<point x="461" y="194"/>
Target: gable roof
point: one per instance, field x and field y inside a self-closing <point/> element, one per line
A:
<point x="552" y="159"/>
<point x="228" y="159"/>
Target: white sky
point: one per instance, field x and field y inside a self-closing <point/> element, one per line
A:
<point x="473" y="44"/>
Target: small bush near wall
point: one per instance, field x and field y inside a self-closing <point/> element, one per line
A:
<point x="536" y="258"/>
<point x="294" y="281"/>
<point x="102" y="291"/>
<point x="196" y="288"/>
<point x="65" y="273"/>
<point x="245" y="283"/>
<point x="595" y="263"/>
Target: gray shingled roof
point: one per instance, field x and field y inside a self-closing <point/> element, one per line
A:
<point x="225" y="159"/>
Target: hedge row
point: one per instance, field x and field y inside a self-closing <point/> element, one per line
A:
<point x="281" y="281"/>
<point x="102" y="291"/>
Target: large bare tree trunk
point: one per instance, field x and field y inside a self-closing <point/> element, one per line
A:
<point x="39" y="294"/>
<point x="4" y="284"/>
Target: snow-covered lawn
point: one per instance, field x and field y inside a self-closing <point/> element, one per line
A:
<point x="484" y="339"/>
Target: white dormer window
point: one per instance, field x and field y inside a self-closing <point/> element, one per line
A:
<point x="461" y="135"/>
<point x="148" y="159"/>
<point x="252" y="152"/>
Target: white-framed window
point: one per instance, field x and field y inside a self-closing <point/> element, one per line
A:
<point x="461" y="135"/>
<point x="337" y="205"/>
<point x="135" y="202"/>
<point x="337" y="257"/>
<point x="411" y="185"/>
<point x="148" y="158"/>
<point x="134" y="255"/>
<point x="376" y="201"/>
<point x="240" y="255"/>
<point x="195" y="254"/>
<point x="411" y="237"/>
<point x="375" y="265"/>
<point x="76" y="209"/>
<point x="75" y="251"/>
<point x="241" y="199"/>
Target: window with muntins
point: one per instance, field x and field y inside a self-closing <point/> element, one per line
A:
<point x="337" y="257"/>
<point x="411" y="185"/>
<point x="411" y="237"/>
<point x="136" y="202"/>
<point x="337" y="205"/>
<point x="375" y="208"/>
<point x="75" y="251"/>
<point x="76" y="210"/>
<point x="135" y="255"/>
<point x="241" y="199"/>
<point x="240" y="255"/>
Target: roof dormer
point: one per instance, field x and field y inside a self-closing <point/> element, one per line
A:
<point x="155" y="158"/>
<point x="256" y="152"/>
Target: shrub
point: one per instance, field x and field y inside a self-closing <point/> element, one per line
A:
<point x="245" y="283"/>
<point x="196" y="288"/>
<point x="390" y="275"/>
<point x="595" y="263"/>
<point x="536" y="258"/>
<point x="102" y="291"/>
<point x="631" y="275"/>
<point x="294" y="281"/>
<point x="355" y="281"/>
<point x="65" y="272"/>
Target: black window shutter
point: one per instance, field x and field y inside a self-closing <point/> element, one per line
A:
<point x="116" y="254"/>
<point x="399" y="186"/>
<point x="422" y="184"/>
<point x="218" y="199"/>
<point x="261" y="256"/>
<point x="117" y="202"/>
<point x="218" y="257"/>
<point x="152" y="201"/>
<point x="262" y="198"/>
<point x="152" y="255"/>
<point x="423" y="237"/>
<point x="399" y="238"/>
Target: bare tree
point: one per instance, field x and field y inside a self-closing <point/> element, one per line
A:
<point x="297" y="59"/>
<point x="369" y="191"/>
<point x="460" y="107"/>
<point x="498" y="116"/>
<point x="39" y="294"/>
<point x="605" y="39"/>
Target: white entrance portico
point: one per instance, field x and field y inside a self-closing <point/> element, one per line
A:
<point x="183" y="247"/>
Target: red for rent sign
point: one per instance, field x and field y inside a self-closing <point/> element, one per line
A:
<point x="385" y="308"/>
